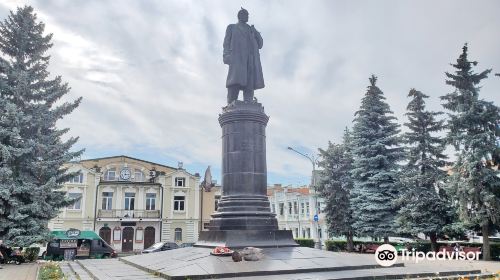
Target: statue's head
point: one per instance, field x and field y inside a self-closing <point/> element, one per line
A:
<point x="243" y="15"/>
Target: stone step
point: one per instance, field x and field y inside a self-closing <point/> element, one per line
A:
<point x="107" y="269"/>
<point x="79" y="271"/>
<point x="68" y="272"/>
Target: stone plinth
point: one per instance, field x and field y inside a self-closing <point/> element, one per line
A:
<point x="244" y="217"/>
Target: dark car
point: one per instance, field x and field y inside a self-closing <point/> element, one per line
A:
<point x="160" y="246"/>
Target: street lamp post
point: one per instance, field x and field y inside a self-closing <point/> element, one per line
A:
<point x="315" y="196"/>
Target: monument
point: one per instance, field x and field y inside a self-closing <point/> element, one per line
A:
<point x="244" y="218"/>
<point x="244" y="215"/>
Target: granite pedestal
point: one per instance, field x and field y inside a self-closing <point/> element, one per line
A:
<point x="244" y="217"/>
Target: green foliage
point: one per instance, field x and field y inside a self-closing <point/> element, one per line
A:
<point x="336" y="185"/>
<point x="31" y="253"/>
<point x="474" y="132"/>
<point x="423" y="202"/>
<point x="305" y="242"/>
<point x="422" y="246"/>
<point x="32" y="149"/>
<point x="50" y="271"/>
<point x="376" y="151"/>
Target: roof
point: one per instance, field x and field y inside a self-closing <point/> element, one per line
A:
<point x="150" y="162"/>
<point x="84" y="234"/>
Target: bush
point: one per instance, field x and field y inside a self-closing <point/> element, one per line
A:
<point x="50" y="271"/>
<point x="423" y="246"/>
<point x="31" y="254"/>
<point x="304" y="242"/>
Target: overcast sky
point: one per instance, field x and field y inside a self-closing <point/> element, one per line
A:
<point x="153" y="82"/>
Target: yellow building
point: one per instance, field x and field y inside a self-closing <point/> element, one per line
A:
<point x="132" y="203"/>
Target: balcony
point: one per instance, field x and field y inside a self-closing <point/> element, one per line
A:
<point x="128" y="214"/>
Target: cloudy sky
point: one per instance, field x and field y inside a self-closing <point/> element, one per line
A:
<point x="153" y="82"/>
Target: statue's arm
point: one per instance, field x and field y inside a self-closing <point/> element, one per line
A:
<point x="227" y="45"/>
<point x="258" y="38"/>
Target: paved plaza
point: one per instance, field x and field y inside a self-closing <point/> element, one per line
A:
<point x="25" y="271"/>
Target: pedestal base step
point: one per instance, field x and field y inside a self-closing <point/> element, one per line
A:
<point x="246" y="238"/>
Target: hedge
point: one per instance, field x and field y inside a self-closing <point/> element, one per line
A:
<point x="424" y="246"/>
<point x="305" y="242"/>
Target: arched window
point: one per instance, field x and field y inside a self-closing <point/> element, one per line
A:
<point x="178" y="234"/>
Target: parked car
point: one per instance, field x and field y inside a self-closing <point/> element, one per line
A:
<point x="185" y="245"/>
<point x="160" y="246"/>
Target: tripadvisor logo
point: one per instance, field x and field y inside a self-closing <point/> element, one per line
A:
<point x="387" y="255"/>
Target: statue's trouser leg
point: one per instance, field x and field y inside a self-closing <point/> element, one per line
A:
<point x="232" y="93"/>
<point x="248" y="90"/>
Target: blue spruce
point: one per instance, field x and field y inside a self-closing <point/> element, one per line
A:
<point x="473" y="130"/>
<point x="376" y="152"/>
<point x="424" y="207"/>
<point x="32" y="152"/>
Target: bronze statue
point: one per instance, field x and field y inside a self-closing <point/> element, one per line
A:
<point x="241" y="52"/>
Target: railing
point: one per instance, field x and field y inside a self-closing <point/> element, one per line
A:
<point x="132" y="214"/>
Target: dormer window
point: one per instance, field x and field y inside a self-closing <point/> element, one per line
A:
<point x="110" y="174"/>
<point x="180" y="182"/>
<point x="138" y="176"/>
<point x="77" y="179"/>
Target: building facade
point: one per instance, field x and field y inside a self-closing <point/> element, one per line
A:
<point x="295" y="211"/>
<point x="132" y="203"/>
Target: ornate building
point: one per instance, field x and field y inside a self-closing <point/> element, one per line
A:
<point x="132" y="203"/>
<point x="295" y="211"/>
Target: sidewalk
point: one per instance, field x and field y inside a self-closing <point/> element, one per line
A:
<point x="25" y="271"/>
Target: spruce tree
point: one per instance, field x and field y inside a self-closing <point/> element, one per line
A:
<point x="335" y="186"/>
<point x="32" y="152"/>
<point x="423" y="204"/>
<point x="376" y="151"/>
<point x="473" y="131"/>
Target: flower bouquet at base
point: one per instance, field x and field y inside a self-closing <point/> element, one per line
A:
<point x="221" y="251"/>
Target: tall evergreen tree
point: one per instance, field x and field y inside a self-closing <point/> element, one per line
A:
<point x="423" y="205"/>
<point x="335" y="186"/>
<point x="31" y="149"/>
<point x="376" y="151"/>
<point x="473" y="130"/>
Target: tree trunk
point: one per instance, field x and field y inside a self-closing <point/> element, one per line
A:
<point x="350" y="242"/>
<point x="486" y="242"/>
<point x="386" y="239"/>
<point x="433" y="237"/>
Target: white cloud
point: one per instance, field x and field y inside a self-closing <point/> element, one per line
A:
<point x="153" y="81"/>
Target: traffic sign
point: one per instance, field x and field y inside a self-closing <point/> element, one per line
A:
<point x="316" y="218"/>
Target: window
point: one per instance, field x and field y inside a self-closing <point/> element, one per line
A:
<point x="179" y="203"/>
<point x="295" y="208"/>
<point x="281" y="209"/>
<point x="78" y="202"/>
<point x="180" y="182"/>
<point x="110" y="174"/>
<point x="139" y="234"/>
<point x="217" y="197"/>
<point x="138" y="176"/>
<point x="178" y="234"/>
<point x="307" y="208"/>
<point x="129" y="201"/>
<point x="77" y="179"/>
<point x="150" y="201"/>
<point x="289" y="208"/>
<point x="107" y="200"/>
<point x="302" y="208"/>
